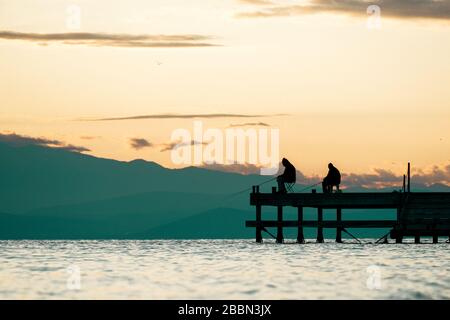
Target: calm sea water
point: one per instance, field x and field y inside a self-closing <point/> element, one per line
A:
<point x="221" y="269"/>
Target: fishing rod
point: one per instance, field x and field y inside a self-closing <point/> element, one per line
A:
<point x="383" y="238"/>
<point x="343" y="229"/>
<point x="268" y="232"/>
<point x="309" y="187"/>
<point x="248" y="189"/>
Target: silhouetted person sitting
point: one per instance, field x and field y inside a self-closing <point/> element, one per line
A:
<point x="288" y="175"/>
<point x="333" y="178"/>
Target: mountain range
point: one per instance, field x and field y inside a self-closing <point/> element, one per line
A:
<point x="51" y="193"/>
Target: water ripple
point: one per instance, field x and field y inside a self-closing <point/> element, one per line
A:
<point x="222" y="269"/>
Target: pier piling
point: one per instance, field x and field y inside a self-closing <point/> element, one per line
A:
<point x="417" y="238"/>
<point x="435" y="238"/>
<point x="319" y="225"/>
<point x="300" y="235"/>
<point x="280" y="224"/>
<point x="339" y="228"/>
<point x="258" y="224"/>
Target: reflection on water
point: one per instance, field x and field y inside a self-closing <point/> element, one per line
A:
<point x="221" y="269"/>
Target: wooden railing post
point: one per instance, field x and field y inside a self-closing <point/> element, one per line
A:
<point x="409" y="177"/>
<point x="300" y="235"/>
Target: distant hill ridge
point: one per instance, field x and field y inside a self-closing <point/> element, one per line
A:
<point x="50" y="193"/>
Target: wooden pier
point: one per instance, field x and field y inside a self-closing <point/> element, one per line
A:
<point x="417" y="213"/>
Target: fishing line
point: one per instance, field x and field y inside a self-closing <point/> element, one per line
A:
<point x="308" y="187"/>
<point x="264" y="229"/>
<point x="343" y="229"/>
<point x="248" y="189"/>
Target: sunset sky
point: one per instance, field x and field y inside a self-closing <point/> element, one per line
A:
<point x="337" y="89"/>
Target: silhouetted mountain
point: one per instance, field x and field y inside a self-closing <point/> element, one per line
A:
<point x="220" y="223"/>
<point x="136" y="213"/>
<point x="34" y="177"/>
<point x="13" y="226"/>
<point x="49" y="193"/>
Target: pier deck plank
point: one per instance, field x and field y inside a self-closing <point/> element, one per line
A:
<point x="325" y="224"/>
<point x="357" y="200"/>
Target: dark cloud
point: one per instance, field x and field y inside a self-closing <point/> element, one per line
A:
<point x="184" y="116"/>
<point x="73" y="148"/>
<point x="245" y="168"/>
<point x="248" y="168"/>
<point x="440" y="175"/>
<point x="175" y="145"/>
<point x="414" y="9"/>
<point x="139" y="143"/>
<point x="249" y="124"/>
<point x="379" y="178"/>
<point x="307" y="180"/>
<point x="19" y="140"/>
<point x="89" y="137"/>
<point x="112" y="39"/>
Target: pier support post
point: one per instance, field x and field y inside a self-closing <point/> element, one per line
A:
<point x="399" y="238"/>
<point x="300" y="236"/>
<point x="435" y="234"/>
<point x="319" y="225"/>
<point x="280" y="226"/>
<point x="398" y="232"/>
<point x="417" y="238"/>
<point x="339" y="228"/>
<point x="409" y="177"/>
<point x="258" y="224"/>
<point x="435" y="238"/>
